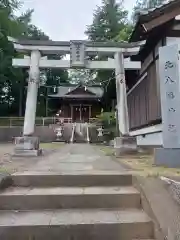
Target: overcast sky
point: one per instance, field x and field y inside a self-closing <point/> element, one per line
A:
<point x="64" y="19"/>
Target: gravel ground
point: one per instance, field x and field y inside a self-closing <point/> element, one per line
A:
<point x="11" y="164"/>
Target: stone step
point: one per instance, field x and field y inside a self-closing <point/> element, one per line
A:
<point x="73" y="178"/>
<point x="80" y="141"/>
<point x="91" y="224"/>
<point x="69" y="197"/>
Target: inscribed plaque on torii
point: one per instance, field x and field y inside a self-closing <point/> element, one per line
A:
<point x="77" y="54"/>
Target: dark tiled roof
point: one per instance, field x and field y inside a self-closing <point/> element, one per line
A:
<point x="64" y="92"/>
<point x="151" y="14"/>
<point x="80" y="96"/>
<point x="147" y="15"/>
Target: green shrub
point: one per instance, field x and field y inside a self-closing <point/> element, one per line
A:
<point x="108" y="120"/>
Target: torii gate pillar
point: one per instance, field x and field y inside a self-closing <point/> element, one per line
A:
<point x="28" y="144"/>
<point x="124" y="143"/>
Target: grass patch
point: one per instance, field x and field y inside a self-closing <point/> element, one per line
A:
<point x="108" y="151"/>
<point x="54" y="145"/>
<point x="3" y="170"/>
<point x="142" y="164"/>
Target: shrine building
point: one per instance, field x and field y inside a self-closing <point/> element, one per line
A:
<point x="158" y="27"/>
<point x="78" y="103"/>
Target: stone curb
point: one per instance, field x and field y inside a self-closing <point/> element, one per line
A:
<point x="5" y="180"/>
<point x="147" y="207"/>
<point x="124" y="165"/>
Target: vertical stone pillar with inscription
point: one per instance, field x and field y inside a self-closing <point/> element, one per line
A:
<point x="124" y="143"/>
<point x="121" y="95"/>
<point x="169" y="72"/>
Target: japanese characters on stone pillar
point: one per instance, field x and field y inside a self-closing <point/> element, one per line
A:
<point x="124" y="143"/>
<point x="28" y="144"/>
<point x="121" y="94"/>
<point x="32" y="92"/>
<point x="169" y="72"/>
<point x="170" y="95"/>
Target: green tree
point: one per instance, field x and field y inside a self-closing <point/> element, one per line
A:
<point x="81" y="76"/>
<point x="13" y="80"/>
<point x="17" y="92"/>
<point x="13" y="84"/>
<point x="8" y="26"/>
<point x="35" y="33"/>
<point x="54" y="78"/>
<point x="109" y="20"/>
<point x="110" y="23"/>
<point x="124" y="34"/>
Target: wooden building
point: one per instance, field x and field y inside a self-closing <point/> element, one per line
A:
<point x="78" y="103"/>
<point x="159" y="27"/>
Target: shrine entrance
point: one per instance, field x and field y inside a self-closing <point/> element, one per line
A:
<point x="116" y="57"/>
<point x="81" y="113"/>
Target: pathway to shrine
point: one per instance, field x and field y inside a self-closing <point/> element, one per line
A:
<point x="75" y="193"/>
<point x="76" y="157"/>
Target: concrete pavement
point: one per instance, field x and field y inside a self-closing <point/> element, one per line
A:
<point x="74" y="193"/>
<point x="76" y="157"/>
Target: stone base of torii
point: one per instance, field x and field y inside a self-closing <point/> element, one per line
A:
<point x="118" y="58"/>
<point x="125" y="145"/>
<point x="27" y="146"/>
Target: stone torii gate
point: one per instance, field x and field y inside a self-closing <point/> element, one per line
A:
<point x="118" y="58"/>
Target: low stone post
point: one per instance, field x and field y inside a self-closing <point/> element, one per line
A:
<point x="169" y="71"/>
<point x="59" y="133"/>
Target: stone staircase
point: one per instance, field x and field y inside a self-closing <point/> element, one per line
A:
<point x="80" y="134"/>
<point x="73" y="206"/>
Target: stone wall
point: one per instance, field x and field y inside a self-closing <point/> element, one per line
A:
<point x="46" y="134"/>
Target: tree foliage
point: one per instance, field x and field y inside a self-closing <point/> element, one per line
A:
<point x="109" y="20"/>
<point x="13" y="84"/>
<point x="110" y="23"/>
<point x="81" y="76"/>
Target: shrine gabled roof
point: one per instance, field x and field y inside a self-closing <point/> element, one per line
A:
<point x="67" y="92"/>
<point x="149" y="19"/>
<point x="149" y="14"/>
